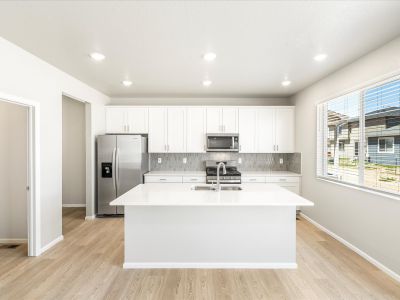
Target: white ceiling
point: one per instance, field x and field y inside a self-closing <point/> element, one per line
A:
<point x="158" y="44"/>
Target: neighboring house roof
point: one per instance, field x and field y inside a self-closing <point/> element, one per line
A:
<point x="335" y="118"/>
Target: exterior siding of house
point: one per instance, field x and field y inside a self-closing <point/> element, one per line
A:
<point x="383" y="158"/>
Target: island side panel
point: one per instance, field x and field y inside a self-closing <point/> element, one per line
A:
<point x="210" y="237"/>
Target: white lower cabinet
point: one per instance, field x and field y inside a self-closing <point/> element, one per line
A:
<point x="174" y="179"/>
<point x="163" y="179"/>
<point x="292" y="183"/>
<point x="197" y="179"/>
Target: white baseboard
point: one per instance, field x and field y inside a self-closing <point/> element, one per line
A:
<point x="74" y="205"/>
<point x="128" y="265"/>
<point x="90" y="217"/>
<point x="51" y="244"/>
<point x="13" y="241"/>
<point x="364" y="255"/>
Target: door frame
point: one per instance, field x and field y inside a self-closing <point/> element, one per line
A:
<point x="89" y="157"/>
<point x="33" y="170"/>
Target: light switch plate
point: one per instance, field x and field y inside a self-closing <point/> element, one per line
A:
<point x="184" y="160"/>
<point x="239" y="160"/>
<point x="159" y="160"/>
<point x="281" y="161"/>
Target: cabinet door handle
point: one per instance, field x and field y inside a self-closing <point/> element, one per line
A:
<point x="163" y="179"/>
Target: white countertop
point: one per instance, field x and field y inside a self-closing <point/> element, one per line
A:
<point x="178" y="194"/>
<point x="203" y="173"/>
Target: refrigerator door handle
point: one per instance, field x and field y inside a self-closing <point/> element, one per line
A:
<point x="117" y="167"/>
<point x="114" y="169"/>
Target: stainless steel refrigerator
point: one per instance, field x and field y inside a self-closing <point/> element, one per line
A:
<point x="121" y="162"/>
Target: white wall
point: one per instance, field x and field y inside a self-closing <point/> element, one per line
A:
<point x="73" y="152"/>
<point x="13" y="177"/>
<point x="26" y="76"/>
<point x="200" y="101"/>
<point x="369" y="222"/>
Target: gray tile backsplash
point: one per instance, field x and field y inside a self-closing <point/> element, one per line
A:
<point x="250" y="162"/>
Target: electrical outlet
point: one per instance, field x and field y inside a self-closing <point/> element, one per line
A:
<point x="281" y="161"/>
<point x="184" y="160"/>
<point x="159" y="160"/>
<point x="239" y="160"/>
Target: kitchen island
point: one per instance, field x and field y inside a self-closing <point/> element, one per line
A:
<point x="172" y="225"/>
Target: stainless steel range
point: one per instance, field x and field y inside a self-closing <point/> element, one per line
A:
<point x="232" y="175"/>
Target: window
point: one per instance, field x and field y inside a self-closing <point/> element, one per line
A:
<point x="359" y="137"/>
<point x="386" y="145"/>
<point x="341" y="145"/>
<point x="355" y="148"/>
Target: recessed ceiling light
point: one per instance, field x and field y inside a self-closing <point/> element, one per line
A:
<point x="286" y="82"/>
<point x="209" y="56"/>
<point x="97" y="56"/>
<point x="127" y="82"/>
<point x="207" y="82"/>
<point x="320" y="57"/>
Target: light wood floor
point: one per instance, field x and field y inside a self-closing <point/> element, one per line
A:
<point x="87" y="265"/>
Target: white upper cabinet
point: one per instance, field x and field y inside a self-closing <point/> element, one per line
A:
<point x="176" y="137"/>
<point x="214" y="120"/>
<point x="157" y="129"/>
<point x="284" y="129"/>
<point x="167" y="130"/>
<point x="247" y="130"/>
<point x="230" y="120"/>
<point x="266" y="129"/>
<point x="265" y="133"/>
<point x="126" y="119"/>
<point x="195" y="129"/>
<point x="178" y="129"/>
<point x="137" y="119"/>
<point x="222" y="120"/>
<point x="116" y="120"/>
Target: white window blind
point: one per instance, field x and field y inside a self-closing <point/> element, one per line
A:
<point x="358" y="137"/>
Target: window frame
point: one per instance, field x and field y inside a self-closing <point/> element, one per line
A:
<point x="321" y="163"/>
<point x="385" y="138"/>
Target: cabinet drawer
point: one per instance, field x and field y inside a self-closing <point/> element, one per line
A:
<point x="282" y="179"/>
<point x="201" y="179"/>
<point x="255" y="179"/>
<point x="169" y="179"/>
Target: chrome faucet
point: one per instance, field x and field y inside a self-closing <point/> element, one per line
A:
<point x="223" y="172"/>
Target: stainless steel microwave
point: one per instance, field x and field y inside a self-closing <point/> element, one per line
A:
<point x="223" y="142"/>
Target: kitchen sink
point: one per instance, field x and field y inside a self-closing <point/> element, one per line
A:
<point x="213" y="188"/>
<point x="231" y="188"/>
<point x="203" y="188"/>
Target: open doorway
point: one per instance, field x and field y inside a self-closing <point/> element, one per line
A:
<point x="14" y="180"/>
<point x="73" y="163"/>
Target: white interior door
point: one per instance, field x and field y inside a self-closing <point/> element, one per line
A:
<point x="284" y="129"/>
<point x="116" y="120"/>
<point x="265" y="130"/>
<point x="157" y="130"/>
<point x="247" y="130"/>
<point x="214" y="120"/>
<point x="230" y="120"/>
<point x="137" y="119"/>
<point x="195" y="129"/>
<point x="176" y="130"/>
